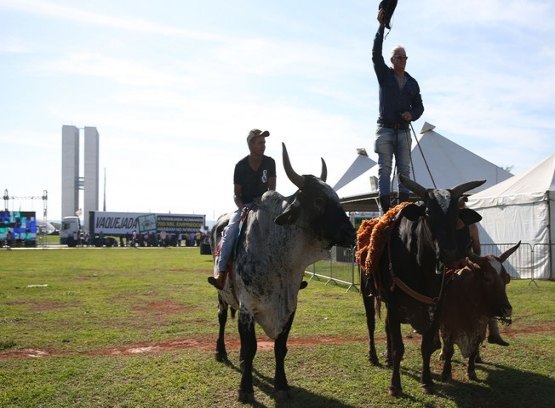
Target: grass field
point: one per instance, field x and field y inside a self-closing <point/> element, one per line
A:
<point x="137" y="328"/>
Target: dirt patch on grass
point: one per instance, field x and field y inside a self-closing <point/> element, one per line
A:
<point x="233" y="343"/>
<point x="43" y="306"/>
<point x="160" y="308"/>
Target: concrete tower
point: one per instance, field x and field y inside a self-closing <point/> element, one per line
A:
<point x="70" y="170"/>
<point x="91" y="183"/>
<point x="71" y="182"/>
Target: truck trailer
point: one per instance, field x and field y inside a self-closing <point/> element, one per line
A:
<point x="124" y="228"/>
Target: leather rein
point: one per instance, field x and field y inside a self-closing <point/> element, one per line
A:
<point x="402" y="285"/>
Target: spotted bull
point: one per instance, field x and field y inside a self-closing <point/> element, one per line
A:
<point x="282" y="236"/>
<point x="473" y="295"/>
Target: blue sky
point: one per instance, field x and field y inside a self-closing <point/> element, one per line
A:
<point x="173" y="88"/>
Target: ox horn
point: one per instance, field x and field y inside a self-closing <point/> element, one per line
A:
<point x="291" y="174"/>
<point x="508" y="252"/>
<point x="413" y="186"/>
<point x="463" y="188"/>
<point x="324" y="175"/>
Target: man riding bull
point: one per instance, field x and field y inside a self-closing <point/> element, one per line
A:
<point x="254" y="175"/>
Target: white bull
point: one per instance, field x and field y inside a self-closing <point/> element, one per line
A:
<point x="282" y="236"/>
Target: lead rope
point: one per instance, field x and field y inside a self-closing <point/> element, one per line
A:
<point x="423" y="157"/>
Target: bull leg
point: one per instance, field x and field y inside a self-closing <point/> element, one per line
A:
<point x="471" y="366"/>
<point x="221" y="353"/>
<point x="397" y="349"/>
<point x="427" y="347"/>
<point x="447" y="353"/>
<point x="281" y="386"/>
<point x="388" y="352"/>
<point x="247" y="353"/>
<point x="371" y="324"/>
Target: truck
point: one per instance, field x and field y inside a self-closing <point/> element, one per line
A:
<point x="18" y="229"/>
<point x="105" y="228"/>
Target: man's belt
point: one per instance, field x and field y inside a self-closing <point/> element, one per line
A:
<point x="396" y="126"/>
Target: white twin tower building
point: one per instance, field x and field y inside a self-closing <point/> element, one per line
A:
<point x="72" y="182"/>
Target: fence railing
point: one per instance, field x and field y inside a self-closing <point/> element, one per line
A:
<point x="340" y="267"/>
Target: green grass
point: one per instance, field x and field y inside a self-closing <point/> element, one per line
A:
<point x="97" y="300"/>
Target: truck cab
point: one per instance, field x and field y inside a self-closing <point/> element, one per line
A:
<point x="70" y="231"/>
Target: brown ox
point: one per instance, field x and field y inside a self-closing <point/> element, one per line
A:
<point x="473" y="295"/>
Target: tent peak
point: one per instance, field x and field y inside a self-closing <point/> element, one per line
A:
<point x="426" y="127"/>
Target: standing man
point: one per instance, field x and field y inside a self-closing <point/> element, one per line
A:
<point x="254" y="175"/>
<point x="400" y="104"/>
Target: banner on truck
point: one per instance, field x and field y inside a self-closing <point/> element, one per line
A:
<point x="181" y="224"/>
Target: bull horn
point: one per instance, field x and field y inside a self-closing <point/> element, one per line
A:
<point x="508" y="252"/>
<point x="463" y="188"/>
<point x="291" y="174"/>
<point x="324" y="175"/>
<point x="413" y="186"/>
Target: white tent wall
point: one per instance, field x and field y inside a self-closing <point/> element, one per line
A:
<point x="522" y="208"/>
<point x="507" y="224"/>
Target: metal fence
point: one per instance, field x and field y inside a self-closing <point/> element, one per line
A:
<point x="340" y="267"/>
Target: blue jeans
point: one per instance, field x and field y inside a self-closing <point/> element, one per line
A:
<point x="389" y="143"/>
<point x="229" y="238"/>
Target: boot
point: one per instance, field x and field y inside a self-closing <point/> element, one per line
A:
<point x="219" y="281"/>
<point x="402" y="197"/>
<point x="385" y="203"/>
<point x="494" y="336"/>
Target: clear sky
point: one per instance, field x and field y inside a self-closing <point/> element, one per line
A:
<point x="173" y="87"/>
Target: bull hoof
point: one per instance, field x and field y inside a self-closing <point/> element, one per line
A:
<point x="373" y="360"/>
<point x="395" y="391"/>
<point x="472" y="376"/>
<point x="428" y="388"/>
<point x="246" y="397"/>
<point x="222" y="358"/>
<point x="282" y="395"/>
<point x="446" y="377"/>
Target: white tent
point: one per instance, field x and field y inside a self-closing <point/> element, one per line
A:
<point x="522" y="209"/>
<point x="360" y="165"/>
<point x="449" y="164"/>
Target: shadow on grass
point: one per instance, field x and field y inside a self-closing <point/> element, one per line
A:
<point x="503" y="386"/>
<point x="299" y="396"/>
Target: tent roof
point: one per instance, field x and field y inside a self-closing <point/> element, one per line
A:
<point x="527" y="187"/>
<point x="449" y="163"/>
<point x="360" y="165"/>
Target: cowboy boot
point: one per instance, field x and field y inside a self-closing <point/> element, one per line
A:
<point x="219" y="281"/>
<point x="385" y="203"/>
<point x="494" y="336"/>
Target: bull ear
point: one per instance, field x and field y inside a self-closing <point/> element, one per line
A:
<point x="469" y="216"/>
<point x="290" y="214"/>
<point x="413" y="212"/>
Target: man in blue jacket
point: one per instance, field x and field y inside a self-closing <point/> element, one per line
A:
<point x="400" y="104"/>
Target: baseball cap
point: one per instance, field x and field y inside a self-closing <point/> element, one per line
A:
<point x="257" y="132"/>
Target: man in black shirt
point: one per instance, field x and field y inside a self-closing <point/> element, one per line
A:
<point x="254" y="175"/>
